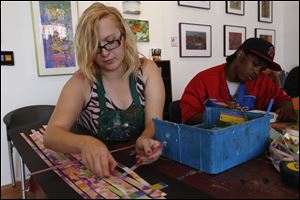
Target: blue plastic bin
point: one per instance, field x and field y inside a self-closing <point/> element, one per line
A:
<point x="214" y="150"/>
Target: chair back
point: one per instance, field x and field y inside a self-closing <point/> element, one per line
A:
<point x="174" y="112"/>
<point x="27" y="115"/>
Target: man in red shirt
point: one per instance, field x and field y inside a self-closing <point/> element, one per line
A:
<point x="238" y="83"/>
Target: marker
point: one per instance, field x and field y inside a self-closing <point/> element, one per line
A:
<point x="270" y="106"/>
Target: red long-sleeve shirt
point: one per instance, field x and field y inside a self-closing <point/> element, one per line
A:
<point x="211" y="84"/>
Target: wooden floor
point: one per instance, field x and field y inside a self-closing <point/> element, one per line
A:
<point x="10" y="192"/>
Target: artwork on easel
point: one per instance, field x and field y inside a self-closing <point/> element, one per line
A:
<point x="70" y="168"/>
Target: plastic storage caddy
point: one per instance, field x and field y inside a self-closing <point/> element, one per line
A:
<point x="213" y="150"/>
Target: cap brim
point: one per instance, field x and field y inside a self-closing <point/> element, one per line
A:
<point x="271" y="64"/>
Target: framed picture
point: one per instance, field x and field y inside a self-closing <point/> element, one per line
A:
<point x="54" y="31"/>
<point x="195" y="40"/>
<point x="235" y="7"/>
<point x="195" y="4"/>
<point x="266" y="34"/>
<point x="234" y="36"/>
<point x="265" y="11"/>
<point x="7" y="58"/>
<point x="140" y="29"/>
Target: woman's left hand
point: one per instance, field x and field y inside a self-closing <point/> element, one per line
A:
<point x="148" y="149"/>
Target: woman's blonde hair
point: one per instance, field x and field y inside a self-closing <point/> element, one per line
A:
<point x="86" y="40"/>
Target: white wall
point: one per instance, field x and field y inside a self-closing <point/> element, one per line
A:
<point x="20" y="85"/>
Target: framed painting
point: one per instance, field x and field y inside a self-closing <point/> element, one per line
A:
<point x="235" y="7"/>
<point x="265" y="11"/>
<point x="195" y="40"/>
<point x="234" y="36"/>
<point x="54" y="31"/>
<point x="195" y="4"/>
<point x="140" y="29"/>
<point x="266" y="34"/>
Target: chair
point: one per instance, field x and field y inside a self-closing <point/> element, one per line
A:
<point x="292" y="82"/>
<point x="174" y="112"/>
<point x="20" y="117"/>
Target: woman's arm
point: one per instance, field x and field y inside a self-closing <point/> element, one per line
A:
<point x="154" y="105"/>
<point x="58" y="137"/>
<point x="154" y="96"/>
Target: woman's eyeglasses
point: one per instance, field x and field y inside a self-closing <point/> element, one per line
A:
<point x="110" y="45"/>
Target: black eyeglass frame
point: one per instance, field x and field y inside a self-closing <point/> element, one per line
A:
<point x="109" y="43"/>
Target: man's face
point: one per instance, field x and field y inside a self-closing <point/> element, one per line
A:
<point x="249" y="66"/>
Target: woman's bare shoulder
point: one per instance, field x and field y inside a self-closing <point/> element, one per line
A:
<point x="150" y="69"/>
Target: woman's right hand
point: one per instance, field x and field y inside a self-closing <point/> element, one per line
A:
<point x="97" y="157"/>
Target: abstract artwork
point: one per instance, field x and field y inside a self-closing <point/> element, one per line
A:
<point x="54" y="30"/>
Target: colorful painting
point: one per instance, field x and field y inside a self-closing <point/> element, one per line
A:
<point x="54" y="30"/>
<point x="57" y="34"/>
<point x="140" y="29"/>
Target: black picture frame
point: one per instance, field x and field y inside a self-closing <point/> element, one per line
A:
<point x="195" y="40"/>
<point x="234" y="36"/>
<point x="195" y="4"/>
<point x="265" y="11"/>
<point x="267" y="34"/>
<point x="235" y="7"/>
<point x="7" y="58"/>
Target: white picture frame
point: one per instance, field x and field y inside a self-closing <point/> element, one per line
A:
<point x="265" y="11"/>
<point x="235" y="7"/>
<point x="266" y="34"/>
<point x="54" y="26"/>
<point x="234" y="36"/>
<point x="195" y="40"/>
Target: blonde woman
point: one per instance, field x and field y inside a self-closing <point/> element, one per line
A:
<point x="113" y="94"/>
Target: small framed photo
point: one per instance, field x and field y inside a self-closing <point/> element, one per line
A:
<point x="195" y="4"/>
<point x="234" y="36"/>
<point x="140" y="29"/>
<point x="235" y="7"/>
<point x="54" y="25"/>
<point x="265" y="11"/>
<point x="195" y="40"/>
<point x="266" y="34"/>
<point x="7" y="58"/>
